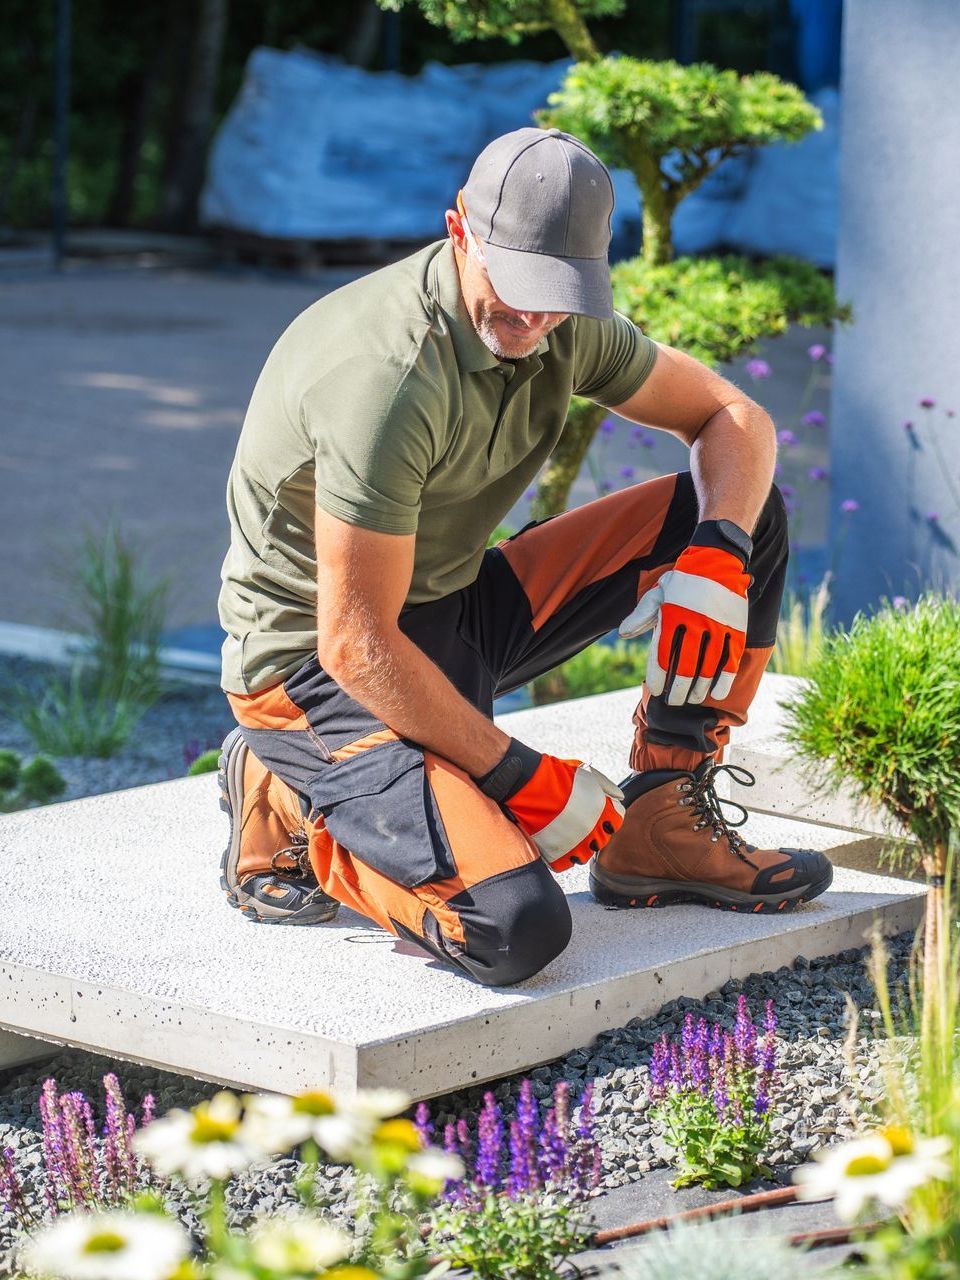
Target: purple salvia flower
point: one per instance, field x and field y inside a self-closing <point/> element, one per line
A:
<point x="900" y="602"/>
<point x="627" y="473"/>
<point x="817" y="473"/>
<point x="553" y="1153"/>
<point x="744" y="1034"/>
<point x="54" y="1157"/>
<point x="147" y="1110"/>
<point x="761" y="1104"/>
<point x="450" y="1139"/>
<point x="659" y="1069"/>
<point x="585" y="1158"/>
<point x="523" y="1144"/>
<point x="927" y="402"/>
<point x="849" y="506"/>
<point x="608" y="426"/>
<point x="830" y="358"/>
<point x="787" y="438"/>
<point x="814" y="418"/>
<point x="530" y="494"/>
<point x="80" y="1156"/>
<point x="758" y="369"/>
<point x="489" y="1143"/>
<point x="908" y="427"/>
<point x="933" y="517"/>
<point x="787" y="490"/>
<point x="11" y="1188"/>
<point x="465" y="1142"/>
<point x="421" y="1120"/>
<point x="817" y="351"/>
<point x="951" y="413"/>
<point x="687" y="1037"/>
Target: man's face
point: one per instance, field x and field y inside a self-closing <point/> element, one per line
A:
<point x="508" y="333"/>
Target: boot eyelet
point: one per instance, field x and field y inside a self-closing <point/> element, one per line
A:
<point x="678" y="787"/>
<point x="713" y="839"/>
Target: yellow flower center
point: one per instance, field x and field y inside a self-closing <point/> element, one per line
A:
<point x="900" y="1139"/>
<point x="314" y="1103"/>
<point x="348" y="1272"/>
<point x="864" y="1166"/>
<point x="210" y="1128"/>
<point x="398" y="1133"/>
<point x="105" y="1242"/>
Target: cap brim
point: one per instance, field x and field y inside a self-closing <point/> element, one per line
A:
<point x="538" y="282"/>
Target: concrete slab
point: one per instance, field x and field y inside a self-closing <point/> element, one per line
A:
<point x="131" y="951"/>
<point x="17" y="1050"/>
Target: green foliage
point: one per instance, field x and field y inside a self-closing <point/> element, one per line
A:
<point x="24" y="785"/>
<point x="117" y="677"/>
<point x="206" y="762"/>
<point x="597" y="669"/>
<point x="500" y="532"/>
<point x="508" y="19"/>
<point x="715" y="309"/>
<point x="719" y="1250"/>
<point x="503" y="1239"/>
<point x="619" y="104"/>
<point x="713" y="1153"/>
<point x="882" y="711"/>
<point x="801" y="631"/>
<point x="895" y="1254"/>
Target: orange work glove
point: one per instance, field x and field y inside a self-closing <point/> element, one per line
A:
<point x="699" y="613"/>
<point x="568" y="808"/>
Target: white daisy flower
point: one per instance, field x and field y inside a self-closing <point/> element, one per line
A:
<point x="344" y="1136"/>
<point x="206" y="1142"/>
<point x="114" y="1245"/>
<point x="378" y="1104"/>
<point x="276" y="1123"/>
<point x="883" y="1168"/>
<point x="298" y="1244"/>
<point x="431" y="1168"/>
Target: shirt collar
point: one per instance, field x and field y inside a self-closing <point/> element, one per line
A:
<point x="472" y="353"/>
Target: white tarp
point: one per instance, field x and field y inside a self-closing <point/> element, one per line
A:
<point x="316" y="149"/>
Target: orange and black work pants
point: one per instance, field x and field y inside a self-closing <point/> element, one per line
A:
<point x="404" y="836"/>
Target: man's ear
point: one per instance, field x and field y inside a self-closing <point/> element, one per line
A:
<point x="455" y="230"/>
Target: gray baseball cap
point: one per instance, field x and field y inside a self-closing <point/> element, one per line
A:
<point x="540" y="203"/>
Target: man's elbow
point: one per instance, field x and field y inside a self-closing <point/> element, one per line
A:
<point x="347" y="654"/>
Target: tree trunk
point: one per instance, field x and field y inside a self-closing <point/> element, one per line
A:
<point x="572" y="30"/>
<point x="136" y="98"/>
<point x="565" y="462"/>
<point x="190" y="147"/>
<point x="935" y="866"/>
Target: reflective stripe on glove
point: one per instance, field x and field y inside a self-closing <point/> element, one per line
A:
<point x="700" y="610"/>
<point x="568" y="808"/>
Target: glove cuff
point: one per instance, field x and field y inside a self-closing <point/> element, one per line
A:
<point x="513" y="771"/>
<point x="725" y="536"/>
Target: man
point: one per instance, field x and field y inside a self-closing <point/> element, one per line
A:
<point x="394" y="425"/>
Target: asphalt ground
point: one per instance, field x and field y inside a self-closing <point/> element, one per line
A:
<point x="123" y="389"/>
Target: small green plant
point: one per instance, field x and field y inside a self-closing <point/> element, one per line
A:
<point x="206" y="762"/>
<point x="881" y="711"/>
<point x="802" y="629"/>
<point x="500" y="532"/>
<point x="597" y="669"/>
<point x="724" y="1249"/>
<point x="116" y="677"/>
<point x="712" y="1095"/>
<point x="517" y="1214"/>
<point x="23" y="785"/>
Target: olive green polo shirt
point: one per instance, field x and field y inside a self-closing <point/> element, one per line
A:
<point x="381" y="404"/>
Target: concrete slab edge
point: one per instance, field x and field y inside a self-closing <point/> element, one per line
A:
<point x="44" y="644"/>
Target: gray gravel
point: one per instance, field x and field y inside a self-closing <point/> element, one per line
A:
<point x="821" y="1096"/>
<point x="188" y="718"/>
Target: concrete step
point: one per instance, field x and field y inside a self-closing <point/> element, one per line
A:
<point x="120" y="942"/>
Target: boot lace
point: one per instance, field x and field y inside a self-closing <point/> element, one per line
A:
<point x="297" y="853"/>
<point x="700" y="795"/>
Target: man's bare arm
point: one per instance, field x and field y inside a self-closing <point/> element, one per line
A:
<point x="362" y="581"/>
<point x="733" y="444"/>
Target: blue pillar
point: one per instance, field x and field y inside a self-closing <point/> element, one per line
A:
<point x="898" y="262"/>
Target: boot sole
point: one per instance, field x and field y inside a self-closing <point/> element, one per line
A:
<point x="230" y="781"/>
<point x="648" y="891"/>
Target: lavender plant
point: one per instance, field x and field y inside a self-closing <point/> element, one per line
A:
<point x="82" y="1169"/>
<point x="519" y="1210"/>
<point x="711" y="1093"/>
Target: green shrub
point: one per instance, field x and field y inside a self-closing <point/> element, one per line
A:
<point x="116" y="678"/>
<point x="24" y="785"/>
<point x="802" y="630"/>
<point x="206" y="762"/>
<point x="597" y="669"/>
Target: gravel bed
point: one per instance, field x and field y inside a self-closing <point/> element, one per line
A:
<point x="188" y="718"/>
<point x="825" y="1089"/>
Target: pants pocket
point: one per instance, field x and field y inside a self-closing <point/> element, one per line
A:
<point x="378" y="805"/>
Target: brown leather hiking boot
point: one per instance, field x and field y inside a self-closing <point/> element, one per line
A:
<point x="265" y="870"/>
<point x="675" y="845"/>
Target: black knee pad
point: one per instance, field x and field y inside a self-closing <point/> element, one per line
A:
<point x="514" y="925"/>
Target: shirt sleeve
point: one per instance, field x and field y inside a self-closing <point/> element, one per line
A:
<point x="373" y="424"/>
<point x="612" y="359"/>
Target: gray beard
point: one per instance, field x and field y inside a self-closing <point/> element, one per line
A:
<point x="490" y="340"/>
